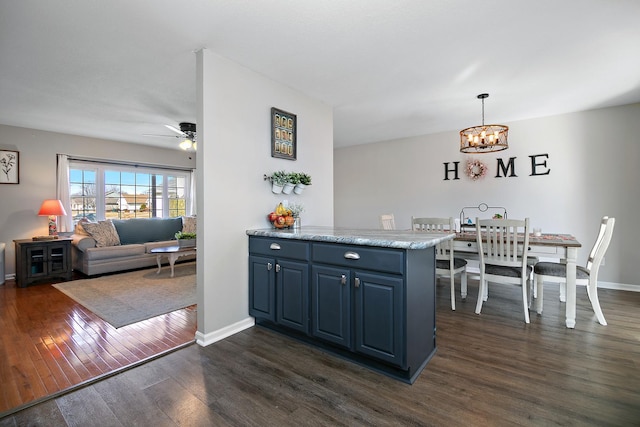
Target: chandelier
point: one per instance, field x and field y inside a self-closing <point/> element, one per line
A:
<point x="485" y="138"/>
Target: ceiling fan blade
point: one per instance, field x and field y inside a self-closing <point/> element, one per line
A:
<point x="162" y="136"/>
<point x="175" y="129"/>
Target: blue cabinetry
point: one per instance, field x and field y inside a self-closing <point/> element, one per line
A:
<point x="373" y="305"/>
<point x="358" y="309"/>
<point x="279" y="282"/>
<point x="262" y="288"/>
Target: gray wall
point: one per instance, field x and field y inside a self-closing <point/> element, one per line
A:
<point x="594" y="159"/>
<point x="19" y="204"/>
<point x="234" y="122"/>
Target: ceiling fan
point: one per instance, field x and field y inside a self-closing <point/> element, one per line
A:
<point x="187" y="133"/>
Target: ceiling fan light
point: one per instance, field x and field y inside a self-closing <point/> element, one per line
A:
<point x="186" y="144"/>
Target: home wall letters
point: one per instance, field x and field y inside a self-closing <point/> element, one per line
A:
<point x="539" y="167"/>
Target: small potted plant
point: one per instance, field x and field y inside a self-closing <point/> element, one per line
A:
<point x="293" y="178"/>
<point x="303" y="181"/>
<point x="278" y="180"/>
<point x="186" y="240"/>
<point x="296" y="210"/>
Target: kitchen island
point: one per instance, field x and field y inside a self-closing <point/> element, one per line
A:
<point x="365" y="295"/>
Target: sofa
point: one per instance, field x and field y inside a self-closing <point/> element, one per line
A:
<point x="118" y="245"/>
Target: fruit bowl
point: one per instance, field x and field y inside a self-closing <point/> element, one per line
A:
<point x="281" y="217"/>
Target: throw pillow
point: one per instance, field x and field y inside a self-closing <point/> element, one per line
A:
<point x="188" y="224"/>
<point x="103" y="232"/>
<point x="80" y="228"/>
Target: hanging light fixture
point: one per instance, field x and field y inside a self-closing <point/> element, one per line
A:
<point x="189" y="132"/>
<point x="485" y="138"/>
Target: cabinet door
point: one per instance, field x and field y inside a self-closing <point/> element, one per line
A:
<point x="379" y="315"/>
<point x="331" y="304"/>
<point x="57" y="256"/>
<point x="262" y="297"/>
<point x="36" y="261"/>
<point x="292" y="290"/>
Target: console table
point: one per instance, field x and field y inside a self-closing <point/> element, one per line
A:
<point x="41" y="260"/>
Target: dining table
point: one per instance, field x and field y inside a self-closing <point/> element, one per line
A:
<point x="563" y="247"/>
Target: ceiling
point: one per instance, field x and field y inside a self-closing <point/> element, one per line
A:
<point x="120" y="69"/>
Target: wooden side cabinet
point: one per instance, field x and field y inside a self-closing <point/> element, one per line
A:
<point x="42" y="260"/>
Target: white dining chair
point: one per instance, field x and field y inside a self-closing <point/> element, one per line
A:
<point x="447" y="264"/>
<point x="503" y="259"/>
<point x="556" y="272"/>
<point x="387" y="222"/>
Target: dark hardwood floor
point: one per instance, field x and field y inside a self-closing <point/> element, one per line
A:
<point x="49" y="343"/>
<point x="491" y="369"/>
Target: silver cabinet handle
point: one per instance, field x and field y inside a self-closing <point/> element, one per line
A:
<point x="277" y="268"/>
<point x="274" y="246"/>
<point x="356" y="282"/>
<point x="343" y="279"/>
<point x="269" y="266"/>
<point x="351" y="255"/>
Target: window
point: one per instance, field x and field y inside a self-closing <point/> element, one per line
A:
<point x="102" y="191"/>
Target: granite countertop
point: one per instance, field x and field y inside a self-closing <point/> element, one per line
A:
<point x="382" y="238"/>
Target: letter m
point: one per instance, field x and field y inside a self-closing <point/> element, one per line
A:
<point x="505" y="168"/>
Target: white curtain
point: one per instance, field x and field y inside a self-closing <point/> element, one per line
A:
<point x="62" y="192"/>
<point x="192" y="196"/>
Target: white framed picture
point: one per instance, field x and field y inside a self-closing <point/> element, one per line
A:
<point x="9" y="167"/>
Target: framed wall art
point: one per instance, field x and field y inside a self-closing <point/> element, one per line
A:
<point x="9" y="167"/>
<point x="283" y="134"/>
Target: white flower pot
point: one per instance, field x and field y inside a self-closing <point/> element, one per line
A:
<point x="288" y="187"/>
<point x="187" y="243"/>
<point x="299" y="188"/>
<point x="275" y="188"/>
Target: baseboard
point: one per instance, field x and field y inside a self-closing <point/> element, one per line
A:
<point x="206" y="339"/>
<point x="619" y="286"/>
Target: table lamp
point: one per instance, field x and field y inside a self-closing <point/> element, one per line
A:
<point x="52" y="208"/>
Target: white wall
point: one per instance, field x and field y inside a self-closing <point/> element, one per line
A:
<point x="19" y="204"/>
<point x="594" y="158"/>
<point x="234" y="153"/>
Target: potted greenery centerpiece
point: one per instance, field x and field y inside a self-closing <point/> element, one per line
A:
<point x="186" y="240"/>
<point x="278" y="180"/>
<point x="303" y="181"/>
<point x="293" y="178"/>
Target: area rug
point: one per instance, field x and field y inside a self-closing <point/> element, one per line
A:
<point x="126" y="298"/>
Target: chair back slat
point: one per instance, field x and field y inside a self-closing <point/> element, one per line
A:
<point x="503" y="241"/>
<point x="387" y="222"/>
<point x="436" y="225"/>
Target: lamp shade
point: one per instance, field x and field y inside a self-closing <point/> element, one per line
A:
<point x="52" y="207"/>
